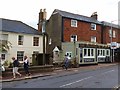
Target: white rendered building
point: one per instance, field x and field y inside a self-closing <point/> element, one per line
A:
<point x="24" y="40"/>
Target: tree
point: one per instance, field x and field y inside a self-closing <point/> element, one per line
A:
<point x="5" y="45"/>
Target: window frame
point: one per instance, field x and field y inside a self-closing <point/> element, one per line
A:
<point x="21" y="57"/>
<point x="73" y="23"/>
<point x="93" y="26"/>
<point x="107" y="52"/>
<point x="72" y="39"/>
<point x="101" y="52"/>
<point x="87" y="53"/>
<point x="93" y="40"/>
<point x="36" y="42"/>
<point x="20" y="39"/>
<point x="114" y="34"/>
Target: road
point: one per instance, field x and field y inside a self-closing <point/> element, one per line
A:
<point x="97" y="78"/>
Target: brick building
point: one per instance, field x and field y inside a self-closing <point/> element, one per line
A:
<point x="107" y="33"/>
<point x="64" y="26"/>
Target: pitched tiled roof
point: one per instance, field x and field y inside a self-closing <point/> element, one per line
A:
<point x="16" y="27"/>
<point x="109" y="24"/>
<point x="76" y="16"/>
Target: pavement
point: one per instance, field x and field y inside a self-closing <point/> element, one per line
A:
<point x="59" y="70"/>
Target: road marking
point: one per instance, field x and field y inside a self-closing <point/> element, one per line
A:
<point x="108" y="71"/>
<point x="83" y="79"/>
<point x="76" y="81"/>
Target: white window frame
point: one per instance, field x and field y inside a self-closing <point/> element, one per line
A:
<point x="20" y="42"/>
<point x="72" y="39"/>
<point x="93" y="26"/>
<point x="22" y="55"/>
<point x="107" y="52"/>
<point x="114" y="34"/>
<point x="34" y="41"/>
<point x="93" y="39"/>
<point x="88" y="54"/>
<point x="73" y="23"/>
<point x="101" y="52"/>
<point x="110" y="33"/>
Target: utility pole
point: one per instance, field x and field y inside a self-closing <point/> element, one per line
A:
<point x="111" y="35"/>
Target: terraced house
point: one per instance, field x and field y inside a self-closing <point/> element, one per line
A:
<point x="23" y="40"/>
<point x="63" y="27"/>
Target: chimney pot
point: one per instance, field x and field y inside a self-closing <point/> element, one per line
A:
<point x="94" y="15"/>
<point x="40" y="10"/>
<point x="44" y="10"/>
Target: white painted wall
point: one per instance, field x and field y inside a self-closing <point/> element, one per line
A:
<point x="27" y="46"/>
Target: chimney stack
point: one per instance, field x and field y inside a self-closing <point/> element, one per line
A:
<point x="94" y="16"/>
<point x="42" y="17"/>
<point x="44" y="14"/>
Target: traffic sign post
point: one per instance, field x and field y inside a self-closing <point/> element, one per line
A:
<point x="113" y="47"/>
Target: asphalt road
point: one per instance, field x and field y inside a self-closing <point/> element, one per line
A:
<point x="98" y="78"/>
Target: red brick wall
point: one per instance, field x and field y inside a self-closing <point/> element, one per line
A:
<point x="106" y="38"/>
<point x="83" y="31"/>
<point x="116" y="38"/>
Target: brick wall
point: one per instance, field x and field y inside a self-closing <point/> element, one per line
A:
<point x="107" y="38"/>
<point x="83" y="31"/>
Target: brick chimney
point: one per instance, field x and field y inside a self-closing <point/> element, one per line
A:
<point x="94" y="16"/>
<point x="42" y="17"/>
<point x="44" y="14"/>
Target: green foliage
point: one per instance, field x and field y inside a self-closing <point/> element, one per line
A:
<point x="8" y="64"/>
<point x="5" y="45"/>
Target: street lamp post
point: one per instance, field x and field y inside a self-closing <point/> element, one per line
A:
<point x="111" y="35"/>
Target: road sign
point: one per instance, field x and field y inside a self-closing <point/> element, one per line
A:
<point x="113" y="45"/>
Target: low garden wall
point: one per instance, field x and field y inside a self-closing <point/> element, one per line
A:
<point x="32" y="69"/>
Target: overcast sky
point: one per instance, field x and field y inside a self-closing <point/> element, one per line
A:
<point x="27" y="11"/>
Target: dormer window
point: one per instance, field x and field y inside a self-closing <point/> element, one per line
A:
<point x="73" y="23"/>
<point x="93" y="26"/>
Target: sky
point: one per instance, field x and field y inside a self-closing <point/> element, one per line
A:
<point x="27" y="11"/>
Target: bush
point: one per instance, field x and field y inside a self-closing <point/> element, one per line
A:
<point x="8" y="64"/>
